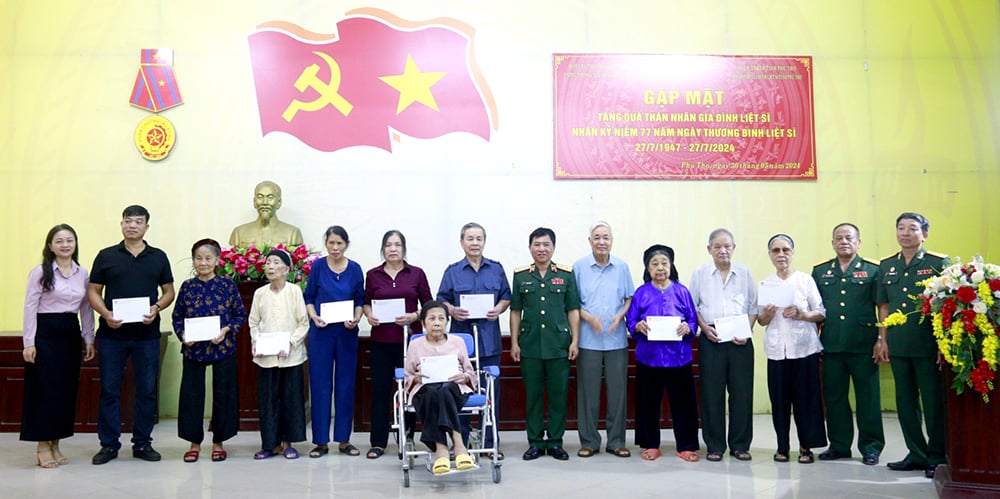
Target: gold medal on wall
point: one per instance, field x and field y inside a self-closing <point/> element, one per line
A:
<point x="154" y="137"/>
<point x="155" y="89"/>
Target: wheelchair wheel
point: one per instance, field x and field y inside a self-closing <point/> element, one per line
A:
<point x="496" y="474"/>
<point x="406" y="478"/>
<point x="411" y="447"/>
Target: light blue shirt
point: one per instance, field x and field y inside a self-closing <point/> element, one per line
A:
<point x="603" y="292"/>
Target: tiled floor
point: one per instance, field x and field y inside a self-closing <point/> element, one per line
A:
<point x="335" y="475"/>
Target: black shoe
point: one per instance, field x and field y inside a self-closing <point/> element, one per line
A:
<point x="532" y="453"/>
<point x="833" y="455"/>
<point x="558" y="453"/>
<point x="104" y="455"/>
<point x="904" y="465"/>
<point x="929" y="472"/>
<point x="869" y="459"/>
<point x="146" y="453"/>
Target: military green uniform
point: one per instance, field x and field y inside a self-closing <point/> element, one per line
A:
<point x="544" y="338"/>
<point x="849" y="334"/>
<point x="913" y="355"/>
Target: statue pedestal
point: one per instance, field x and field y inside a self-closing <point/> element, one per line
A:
<point x="973" y="468"/>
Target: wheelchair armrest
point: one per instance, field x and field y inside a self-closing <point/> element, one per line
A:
<point x="400" y="373"/>
<point x="492" y="371"/>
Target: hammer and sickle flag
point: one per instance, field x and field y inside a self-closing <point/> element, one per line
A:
<point x="155" y="87"/>
<point x="378" y="74"/>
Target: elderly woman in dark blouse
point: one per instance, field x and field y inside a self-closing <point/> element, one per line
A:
<point x="207" y="295"/>
<point x="395" y="278"/>
<point x="663" y="365"/>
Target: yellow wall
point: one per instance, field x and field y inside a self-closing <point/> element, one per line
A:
<point x="906" y="119"/>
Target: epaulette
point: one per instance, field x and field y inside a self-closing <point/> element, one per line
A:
<point x="564" y="268"/>
<point x="869" y="260"/>
<point x="936" y="254"/>
<point x="823" y="263"/>
<point x="894" y="255"/>
<point x="522" y="269"/>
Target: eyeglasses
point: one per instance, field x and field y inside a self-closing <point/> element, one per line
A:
<point x="778" y="251"/>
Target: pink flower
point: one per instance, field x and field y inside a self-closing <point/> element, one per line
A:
<point x="300" y="253"/>
<point x="252" y="253"/>
<point x="240" y="265"/>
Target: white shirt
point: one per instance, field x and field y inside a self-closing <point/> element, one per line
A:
<point x="792" y="338"/>
<point x="715" y="299"/>
<point x="279" y="312"/>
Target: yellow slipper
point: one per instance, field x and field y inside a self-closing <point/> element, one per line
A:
<point x="464" y="462"/>
<point x="441" y="466"/>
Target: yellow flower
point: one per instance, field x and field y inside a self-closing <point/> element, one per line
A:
<point x="985" y="294"/>
<point x="897" y="318"/>
<point x="990" y="344"/>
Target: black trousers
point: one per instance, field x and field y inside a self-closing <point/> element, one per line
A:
<point x="438" y="406"/>
<point x="50" y="383"/>
<point x="726" y="367"/>
<point x="225" y="400"/>
<point x="793" y="385"/>
<point x="386" y="357"/>
<point x="649" y="385"/>
<point x="282" y="405"/>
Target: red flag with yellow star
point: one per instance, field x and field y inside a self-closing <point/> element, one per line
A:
<point x="155" y="86"/>
<point x="376" y="75"/>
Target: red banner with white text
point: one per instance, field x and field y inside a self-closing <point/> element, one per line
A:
<point x="635" y="116"/>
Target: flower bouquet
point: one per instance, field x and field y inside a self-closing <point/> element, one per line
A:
<point x="247" y="263"/>
<point x="961" y="304"/>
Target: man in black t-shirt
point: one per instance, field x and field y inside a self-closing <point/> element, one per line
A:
<point x="130" y="269"/>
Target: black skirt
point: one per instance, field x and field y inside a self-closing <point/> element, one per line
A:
<point x="50" y="383"/>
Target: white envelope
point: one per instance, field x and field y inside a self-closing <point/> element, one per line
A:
<point x="478" y="305"/>
<point x="386" y="311"/>
<point x="337" y="311"/>
<point x="201" y="328"/>
<point x="273" y="343"/>
<point x="663" y="328"/>
<point x="130" y="309"/>
<point x="438" y="368"/>
<point x="779" y="295"/>
<point x="734" y="327"/>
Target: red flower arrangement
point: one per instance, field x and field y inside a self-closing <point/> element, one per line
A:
<point x="247" y="263"/>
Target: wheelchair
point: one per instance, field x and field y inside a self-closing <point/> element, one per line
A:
<point x="480" y="402"/>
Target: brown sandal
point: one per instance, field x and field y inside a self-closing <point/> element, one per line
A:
<point x="622" y="452"/>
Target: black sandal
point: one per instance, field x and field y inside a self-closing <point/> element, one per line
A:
<point x="714" y="456"/>
<point x="375" y="453"/>
<point x="780" y="457"/>
<point x="806" y="457"/>
<point x="741" y="455"/>
<point x="319" y="451"/>
<point x="349" y="449"/>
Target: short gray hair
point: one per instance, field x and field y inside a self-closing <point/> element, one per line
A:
<point x="718" y="232"/>
<point x="471" y="225"/>
<point x="601" y="223"/>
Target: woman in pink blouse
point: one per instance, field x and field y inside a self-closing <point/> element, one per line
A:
<point x="54" y="306"/>
<point x="438" y="404"/>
